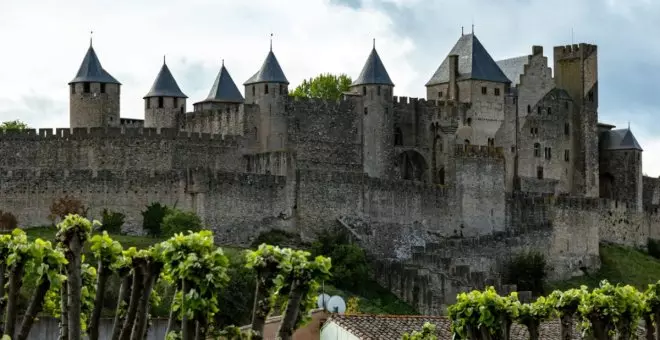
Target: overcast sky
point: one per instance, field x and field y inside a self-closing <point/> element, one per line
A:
<point x="42" y="43"/>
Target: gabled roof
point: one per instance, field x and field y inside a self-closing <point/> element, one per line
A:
<point x="224" y="89"/>
<point x="513" y="68"/>
<point x="392" y="327"/>
<point x="91" y="70"/>
<point x="373" y="72"/>
<point x="165" y="85"/>
<point x="620" y="139"/>
<point x="270" y="72"/>
<point x="474" y="62"/>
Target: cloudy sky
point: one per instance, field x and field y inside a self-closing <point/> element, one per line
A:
<point x="42" y="43"/>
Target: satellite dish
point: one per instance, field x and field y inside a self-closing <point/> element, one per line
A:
<point x="336" y="305"/>
<point x="322" y="300"/>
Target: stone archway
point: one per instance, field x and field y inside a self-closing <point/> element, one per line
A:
<point x="411" y="166"/>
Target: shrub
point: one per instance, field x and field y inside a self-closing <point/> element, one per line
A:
<point x="66" y="205"/>
<point x="112" y="221"/>
<point x="653" y="247"/>
<point x="152" y="218"/>
<point x="8" y="221"/>
<point x="277" y="237"/>
<point x="177" y="221"/>
<point x="528" y="271"/>
<point x="350" y="268"/>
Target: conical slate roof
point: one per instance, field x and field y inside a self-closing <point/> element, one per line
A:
<point x="373" y="72"/>
<point x="620" y="139"/>
<point x="474" y="62"/>
<point x="91" y="70"/>
<point x="165" y="85"/>
<point x="270" y="72"/>
<point x="224" y="89"/>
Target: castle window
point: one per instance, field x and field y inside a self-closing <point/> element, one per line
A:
<point x="529" y="109"/>
<point x="176" y="102"/>
<point x="549" y="111"/>
<point x="497" y="91"/>
<point x="283" y="89"/>
<point x="440" y="94"/>
<point x="387" y="110"/>
<point x="566" y="105"/>
<point x="378" y="92"/>
<point x="513" y="148"/>
<point x="441" y="176"/>
<point x="73" y="88"/>
<point x="467" y="142"/>
<point x="265" y="88"/>
<point x="254" y="90"/>
<point x="86" y="87"/>
<point x="469" y="122"/>
<point x="567" y="129"/>
<point x="398" y="136"/>
<point x="538" y="110"/>
<point x="148" y="102"/>
<point x="491" y="141"/>
<point x="160" y="102"/>
<point x="537" y="150"/>
<point x="539" y="172"/>
<point x="102" y="88"/>
<point x="591" y="96"/>
<point x="366" y="111"/>
<point x="548" y="153"/>
<point x="567" y="155"/>
<point x="484" y="90"/>
<point x="364" y="90"/>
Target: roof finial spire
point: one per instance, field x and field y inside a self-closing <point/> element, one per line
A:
<point x="628" y="125"/>
<point x="91" y="33"/>
<point x="163" y="59"/>
<point x="472" y="28"/>
<point x="374" y="43"/>
<point x="223" y="62"/>
<point x="461" y="31"/>
<point x="271" y="42"/>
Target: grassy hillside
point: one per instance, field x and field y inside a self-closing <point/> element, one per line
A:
<point x="619" y="265"/>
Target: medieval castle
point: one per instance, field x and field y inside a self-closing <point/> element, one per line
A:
<point x="501" y="156"/>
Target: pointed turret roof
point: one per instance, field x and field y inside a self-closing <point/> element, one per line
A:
<point x="270" y="72"/>
<point x="620" y="139"/>
<point x="91" y="70"/>
<point x="474" y="62"/>
<point x="224" y="89"/>
<point x="373" y="72"/>
<point x="165" y="85"/>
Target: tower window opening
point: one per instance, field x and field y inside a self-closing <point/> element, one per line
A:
<point x="254" y="90"/>
<point x="567" y="129"/>
<point x="265" y="88"/>
<point x="538" y="110"/>
<point x="497" y="91"/>
<point x="378" y="91"/>
<point x="86" y="87"/>
<point x="484" y="90"/>
<point x="366" y="111"/>
<point x="549" y="111"/>
<point x="176" y="101"/>
<point x="529" y="109"/>
<point x="566" y="105"/>
<point x="548" y="153"/>
<point x="491" y="142"/>
<point x="364" y="90"/>
<point x="567" y="155"/>
<point x="73" y="88"/>
<point x="539" y="172"/>
<point x="441" y="176"/>
<point x="537" y="150"/>
<point x="469" y="122"/>
<point x="591" y="96"/>
<point x="398" y="136"/>
<point x="160" y="102"/>
<point x="148" y="102"/>
<point x="440" y="94"/>
<point x="102" y="88"/>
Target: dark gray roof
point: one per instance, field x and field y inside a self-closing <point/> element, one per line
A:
<point x="620" y="139"/>
<point x="513" y="68"/>
<point x="91" y="70"/>
<point x="165" y="85"/>
<point x="373" y="72"/>
<point x="270" y="72"/>
<point x="474" y="62"/>
<point x="224" y="89"/>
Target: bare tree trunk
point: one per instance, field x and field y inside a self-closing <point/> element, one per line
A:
<point x="566" y="326"/>
<point x="152" y="273"/>
<point x="64" y="309"/>
<point x="533" y="328"/>
<point x="15" y="282"/>
<point x="187" y="324"/>
<point x="624" y="330"/>
<point x="288" y="325"/>
<point x="172" y="323"/>
<point x="124" y="293"/>
<point x="74" y="283"/>
<point x="600" y="328"/>
<point x="138" y="274"/>
<point x="102" y="275"/>
<point x="3" y="302"/>
<point x="260" y="310"/>
<point x="650" y="328"/>
<point x="34" y="308"/>
<point x="657" y="324"/>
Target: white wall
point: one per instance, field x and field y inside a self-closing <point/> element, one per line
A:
<point x="332" y="331"/>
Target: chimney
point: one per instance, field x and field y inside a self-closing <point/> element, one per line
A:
<point x="453" y="72"/>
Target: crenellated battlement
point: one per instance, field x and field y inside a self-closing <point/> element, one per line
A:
<point x="568" y="52"/>
<point x="478" y="151"/>
<point x="115" y="133"/>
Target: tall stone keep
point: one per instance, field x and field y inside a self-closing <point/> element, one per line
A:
<point x="375" y="86"/>
<point x="165" y="104"/>
<point x="268" y="88"/>
<point x="94" y="95"/>
<point x="576" y="72"/>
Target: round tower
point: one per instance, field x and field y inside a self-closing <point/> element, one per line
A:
<point x="376" y="88"/>
<point x="165" y="102"/>
<point x="94" y="95"/>
<point x="269" y="89"/>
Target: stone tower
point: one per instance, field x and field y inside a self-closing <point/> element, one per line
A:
<point x="576" y="71"/>
<point x="224" y="94"/>
<point x="165" y="102"/>
<point x="375" y="86"/>
<point x="620" y="165"/>
<point x="268" y="88"/>
<point x="94" y="95"/>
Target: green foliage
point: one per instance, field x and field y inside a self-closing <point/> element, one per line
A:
<point x="87" y="294"/>
<point x="177" y="221"/>
<point x="108" y="251"/>
<point x="236" y="299"/>
<point x="428" y="333"/>
<point x="476" y="310"/>
<point x="15" y="125"/>
<point x="353" y="305"/>
<point x="279" y="238"/>
<point x="112" y="221"/>
<point x="612" y="305"/>
<point x="350" y="268"/>
<point x="324" y="86"/>
<point x="528" y="271"/>
<point x="74" y="225"/>
<point x="653" y="247"/>
<point x="8" y="221"/>
<point x="152" y="218"/>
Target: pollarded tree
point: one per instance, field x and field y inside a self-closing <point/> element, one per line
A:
<point x="567" y="303"/>
<point x="652" y="310"/>
<point x="4" y="253"/>
<point x="72" y="234"/>
<point x="107" y="253"/>
<point x="123" y="267"/>
<point x="19" y="255"/>
<point x="303" y="277"/>
<point x="533" y="314"/>
<point x="483" y="315"/>
<point x="266" y="261"/>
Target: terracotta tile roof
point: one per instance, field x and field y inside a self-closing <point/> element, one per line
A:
<point x="392" y="327"/>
